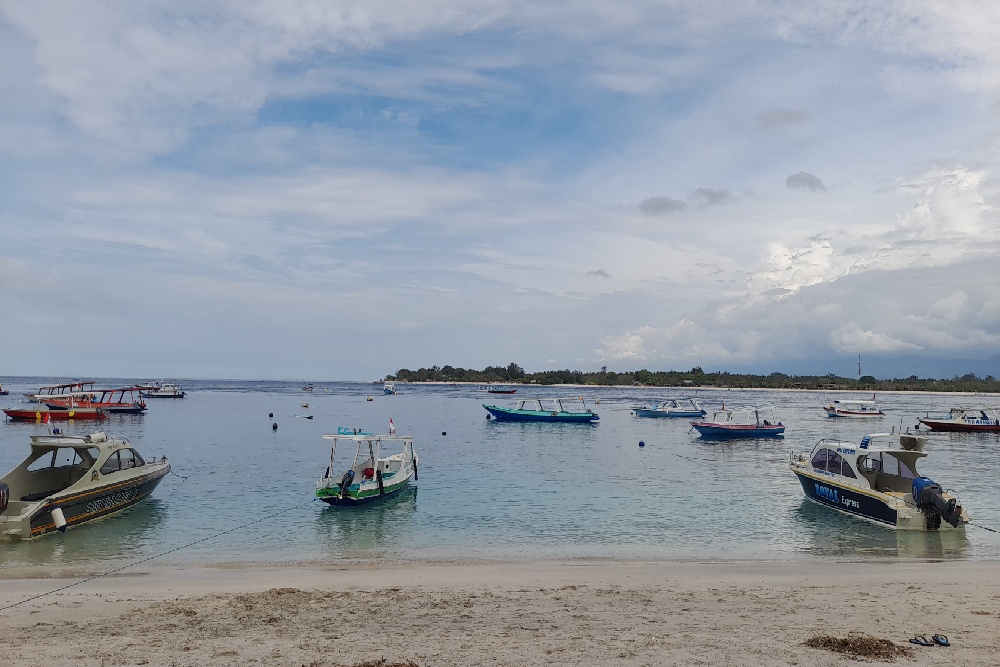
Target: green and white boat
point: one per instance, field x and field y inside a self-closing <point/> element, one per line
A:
<point x="382" y="467"/>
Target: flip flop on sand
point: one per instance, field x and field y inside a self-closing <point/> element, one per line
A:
<point x="941" y="640"/>
<point x="921" y="640"/>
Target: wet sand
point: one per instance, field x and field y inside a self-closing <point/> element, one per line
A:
<point x="579" y="612"/>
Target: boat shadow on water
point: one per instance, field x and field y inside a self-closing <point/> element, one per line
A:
<point x="369" y="530"/>
<point x="835" y="535"/>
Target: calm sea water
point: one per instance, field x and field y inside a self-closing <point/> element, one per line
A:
<point x="490" y="490"/>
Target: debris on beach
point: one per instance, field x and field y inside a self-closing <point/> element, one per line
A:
<point x="860" y="646"/>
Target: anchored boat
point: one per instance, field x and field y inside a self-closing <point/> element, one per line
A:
<point x="46" y="414"/>
<point x="544" y="410"/>
<point x="740" y="423"/>
<point x="965" y="419"/>
<point x="163" y="390"/>
<point x="126" y="400"/>
<point x="878" y="480"/>
<point x="382" y="467"/>
<point x="672" y="407"/>
<point x="855" y="409"/>
<point x="388" y="389"/>
<point x="68" y="480"/>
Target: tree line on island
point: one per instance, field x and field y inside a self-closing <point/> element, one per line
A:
<point x="696" y="377"/>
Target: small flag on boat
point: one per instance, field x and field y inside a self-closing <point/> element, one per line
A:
<point x="47" y="418"/>
<point x="392" y="427"/>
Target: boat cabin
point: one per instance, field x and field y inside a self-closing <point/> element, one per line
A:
<point x="58" y="462"/>
<point x="877" y="463"/>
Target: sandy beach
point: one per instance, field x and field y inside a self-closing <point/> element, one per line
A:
<point x="550" y="613"/>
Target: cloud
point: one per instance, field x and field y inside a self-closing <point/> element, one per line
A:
<point x="657" y="206"/>
<point x="599" y="273"/>
<point x="804" y="181"/>
<point x="774" y="119"/>
<point x="709" y="197"/>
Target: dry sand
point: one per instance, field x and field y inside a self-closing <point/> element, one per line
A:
<point x="553" y="613"/>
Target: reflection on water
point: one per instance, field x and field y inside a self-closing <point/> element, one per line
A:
<point x="101" y="540"/>
<point x="827" y="533"/>
<point x="374" y="530"/>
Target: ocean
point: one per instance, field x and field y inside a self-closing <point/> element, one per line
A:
<point x="241" y="492"/>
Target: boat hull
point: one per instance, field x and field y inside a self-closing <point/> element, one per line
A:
<point x="95" y="503"/>
<point x="367" y="494"/>
<point x="960" y="426"/>
<point x="110" y="408"/>
<point x="688" y="414"/>
<point x="738" y="430"/>
<point x="511" y="415"/>
<point x="19" y="414"/>
<point x="847" y="500"/>
<point x="854" y="415"/>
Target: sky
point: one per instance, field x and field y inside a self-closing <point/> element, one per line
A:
<point x="284" y="189"/>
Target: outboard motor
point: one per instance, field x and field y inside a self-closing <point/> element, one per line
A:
<point x="346" y="480"/>
<point x="928" y="496"/>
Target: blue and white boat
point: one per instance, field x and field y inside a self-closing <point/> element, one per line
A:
<point x="877" y="480"/>
<point x="750" y="422"/>
<point x="672" y="407"/>
<point x="388" y="389"/>
<point x="544" y="410"/>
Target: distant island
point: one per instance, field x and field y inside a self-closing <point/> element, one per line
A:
<point x="696" y="377"/>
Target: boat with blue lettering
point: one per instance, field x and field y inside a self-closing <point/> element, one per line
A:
<point x="381" y="467"/>
<point x="545" y="410"/>
<point x="69" y="480"/>
<point x="671" y="407"/>
<point x="877" y="480"/>
<point x="965" y="419"/>
<point x="751" y="422"/>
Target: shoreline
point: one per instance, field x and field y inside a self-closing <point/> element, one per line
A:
<point x="567" y="612"/>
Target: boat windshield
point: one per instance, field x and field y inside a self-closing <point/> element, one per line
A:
<point x="888" y="464"/>
<point x="64" y="457"/>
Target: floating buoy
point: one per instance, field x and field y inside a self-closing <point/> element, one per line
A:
<point x="59" y="519"/>
<point x="488" y="416"/>
<point x="444" y="432"/>
<point x="642" y="444"/>
<point x="370" y="398"/>
<point x="270" y="415"/>
<point x="274" y="426"/>
<point x="305" y="405"/>
<point x="598" y="401"/>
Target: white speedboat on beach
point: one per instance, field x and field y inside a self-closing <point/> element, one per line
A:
<point x="878" y="480"/>
<point x="68" y="480"/>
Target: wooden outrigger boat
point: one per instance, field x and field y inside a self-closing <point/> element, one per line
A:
<point x="126" y="400"/>
<point x="544" y="410"/>
<point x="53" y="390"/>
<point x="382" y="467"/>
<point x="740" y="423"/>
<point x="44" y="414"/>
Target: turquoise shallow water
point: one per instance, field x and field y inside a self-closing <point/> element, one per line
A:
<point x="491" y="490"/>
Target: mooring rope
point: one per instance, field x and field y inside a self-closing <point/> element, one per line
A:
<point x="146" y="560"/>
<point x="983" y="527"/>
